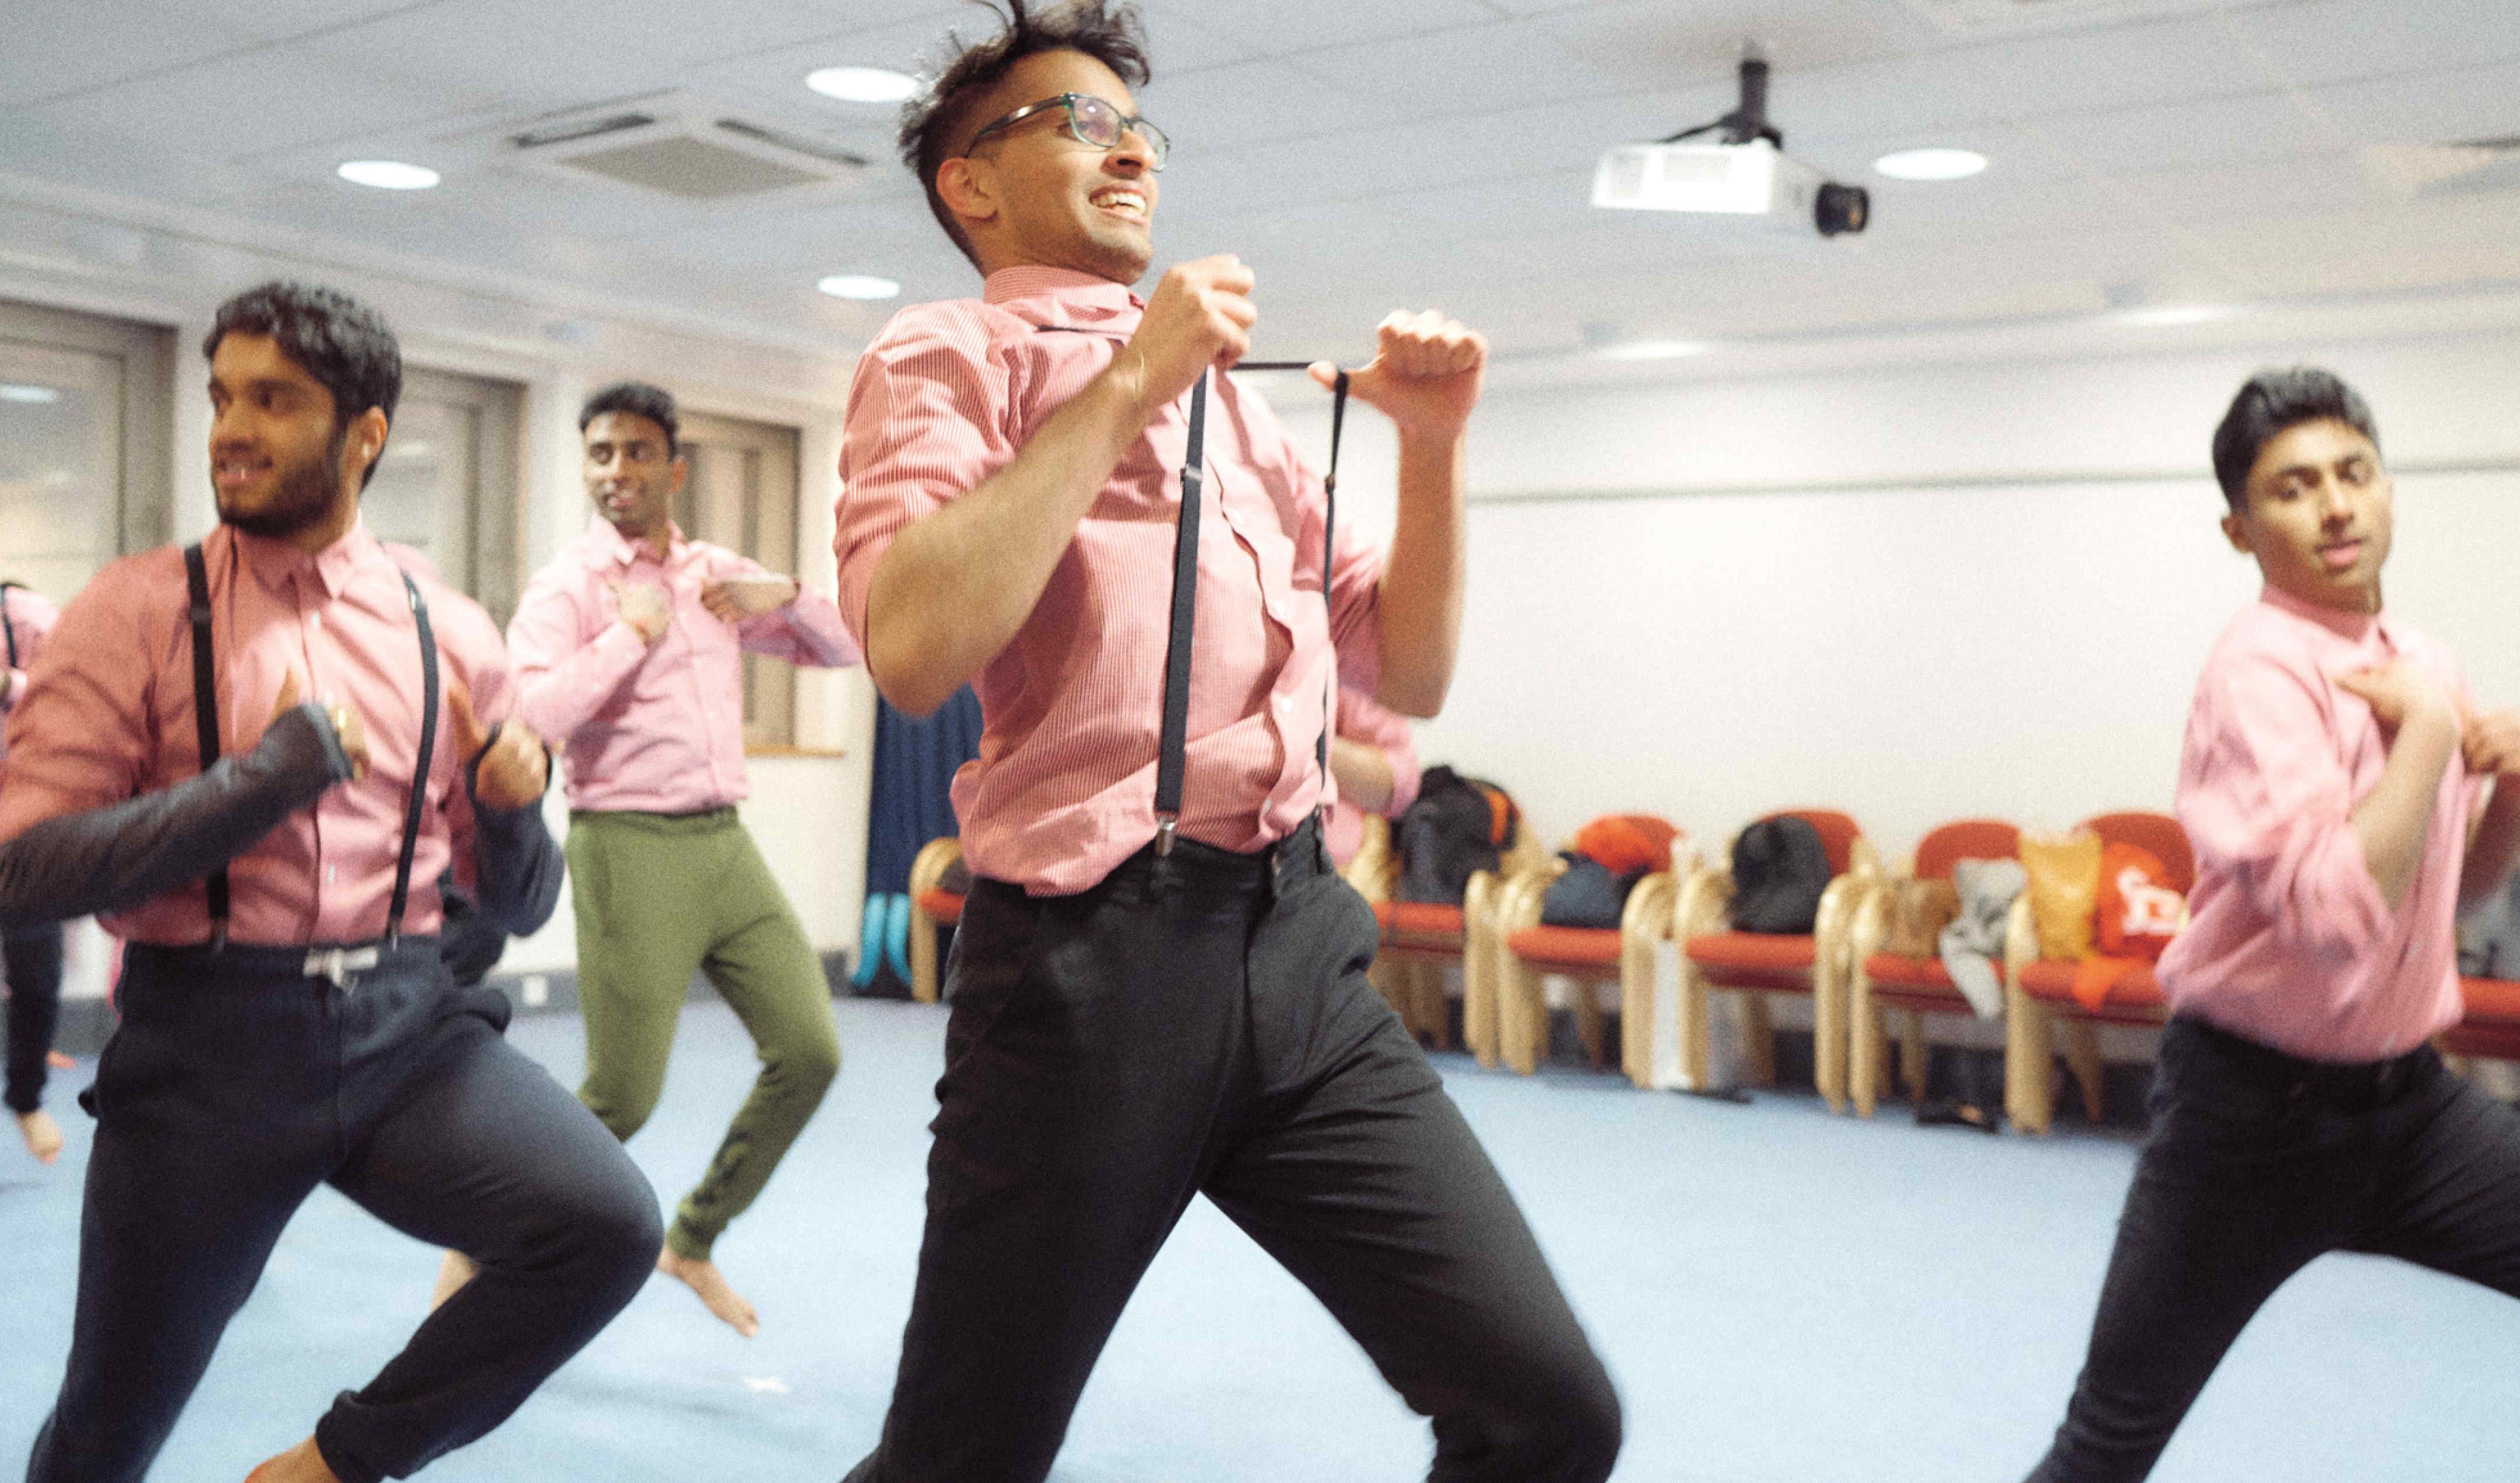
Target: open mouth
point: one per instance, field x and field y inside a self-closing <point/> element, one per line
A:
<point x="2340" y="555"/>
<point x="1127" y="203"/>
<point x="235" y="470"/>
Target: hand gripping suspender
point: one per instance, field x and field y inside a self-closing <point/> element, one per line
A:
<point x="1170" y="758"/>
<point x="205" y="725"/>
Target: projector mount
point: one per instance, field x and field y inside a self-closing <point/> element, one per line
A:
<point x="1749" y="119"/>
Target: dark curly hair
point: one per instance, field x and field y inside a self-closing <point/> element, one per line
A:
<point x="342" y="342"/>
<point x="639" y="399"/>
<point x="937" y="119"/>
<point x="2271" y="403"/>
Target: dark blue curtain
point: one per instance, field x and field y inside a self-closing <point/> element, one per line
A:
<point x="914" y="768"/>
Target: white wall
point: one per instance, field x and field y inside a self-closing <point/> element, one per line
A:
<point x="1917" y="595"/>
<point x="154" y="265"/>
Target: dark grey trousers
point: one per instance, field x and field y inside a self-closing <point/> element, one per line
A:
<point x="236" y="1085"/>
<point x="1203" y="1024"/>
<point x="2258" y="1163"/>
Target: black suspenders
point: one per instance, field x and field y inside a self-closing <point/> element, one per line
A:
<point x="205" y="725"/>
<point x="1170" y="760"/>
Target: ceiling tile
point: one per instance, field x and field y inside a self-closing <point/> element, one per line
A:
<point x="61" y="47"/>
<point x="2341" y="40"/>
<point x="2438" y="107"/>
<point x="246" y="103"/>
<point x="1284" y="27"/>
<point x="1654" y="44"/>
<point x="1227" y="107"/>
<point x="2187" y="135"/>
<point x="1463" y="71"/>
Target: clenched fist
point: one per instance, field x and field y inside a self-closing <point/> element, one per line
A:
<point x="347" y="729"/>
<point x="1425" y="375"/>
<point x="509" y="767"/>
<point x="1200" y="316"/>
<point x="645" y="607"/>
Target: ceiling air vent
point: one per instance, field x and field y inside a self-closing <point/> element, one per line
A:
<point x="688" y="147"/>
<point x="1996" y="16"/>
<point x="2429" y="169"/>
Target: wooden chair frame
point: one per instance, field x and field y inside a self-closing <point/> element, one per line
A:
<point x="1701" y="911"/>
<point x="1521" y="998"/>
<point x="1868" y="1033"/>
<point x="926" y="870"/>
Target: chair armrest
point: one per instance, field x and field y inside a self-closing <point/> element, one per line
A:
<point x="1699" y="910"/>
<point x="1371" y="871"/>
<point x="1837" y="904"/>
<point x="1647" y="917"/>
<point x="2020" y="938"/>
<point x="1871" y="923"/>
<point x="927" y="866"/>
<point x="1519" y="903"/>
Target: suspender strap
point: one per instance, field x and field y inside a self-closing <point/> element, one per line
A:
<point x="1170" y="759"/>
<point x="8" y="624"/>
<point x="205" y="715"/>
<point x="420" y="769"/>
<point x="206" y="722"/>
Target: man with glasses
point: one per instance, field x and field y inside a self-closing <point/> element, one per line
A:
<point x="1159" y="986"/>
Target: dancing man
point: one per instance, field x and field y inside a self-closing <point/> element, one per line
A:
<point x="247" y="752"/>
<point x="1158" y="985"/>
<point x="629" y="648"/>
<point x="2332" y="772"/>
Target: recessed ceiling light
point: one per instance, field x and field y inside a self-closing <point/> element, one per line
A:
<point x="1653" y="349"/>
<point x="862" y="84"/>
<point x="859" y="285"/>
<point x="2171" y="316"/>
<point x="1931" y="164"/>
<point x="389" y="174"/>
<point x="29" y="397"/>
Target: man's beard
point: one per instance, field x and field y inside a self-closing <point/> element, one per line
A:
<point x="306" y="494"/>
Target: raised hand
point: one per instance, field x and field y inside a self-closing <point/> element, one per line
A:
<point x="1425" y="375"/>
<point x="2399" y="693"/>
<point x="2491" y="743"/>
<point x="644" y="606"/>
<point x="348" y="730"/>
<point x="740" y="597"/>
<point x="1200" y="316"/>
<point x="510" y="769"/>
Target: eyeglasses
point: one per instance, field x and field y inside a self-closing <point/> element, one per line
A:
<point x="1091" y="121"/>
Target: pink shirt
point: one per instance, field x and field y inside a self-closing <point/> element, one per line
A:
<point x="2291" y="943"/>
<point x="1063" y="788"/>
<point x="32" y="617"/>
<point x="1362" y="718"/>
<point x="109" y="717"/>
<point x="656" y="728"/>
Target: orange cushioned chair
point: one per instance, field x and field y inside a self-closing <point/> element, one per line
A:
<point x="1421" y="937"/>
<point x="932" y="906"/>
<point x="2491" y="1032"/>
<point x="1879" y="981"/>
<point x="2041" y="992"/>
<point x="1528" y="952"/>
<point x="1760" y="963"/>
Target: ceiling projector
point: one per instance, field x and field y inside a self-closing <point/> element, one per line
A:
<point x="1747" y="174"/>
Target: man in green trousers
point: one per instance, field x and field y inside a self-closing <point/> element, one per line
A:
<point x="629" y="648"/>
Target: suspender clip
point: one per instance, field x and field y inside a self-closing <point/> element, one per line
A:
<point x="1166" y="825"/>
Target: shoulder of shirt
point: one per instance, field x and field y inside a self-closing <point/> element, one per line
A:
<point x="454" y="616"/>
<point x="2261" y="638"/>
<point x="966" y="324"/>
<point x="133" y="585"/>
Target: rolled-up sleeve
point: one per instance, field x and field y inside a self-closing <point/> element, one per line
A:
<point x="2272" y="804"/>
<point x="1362" y="718"/>
<point x="807" y="631"/>
<point x="927" y="421"/>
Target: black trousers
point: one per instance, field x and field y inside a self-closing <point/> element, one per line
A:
<point x="1203" y="1024"/>
<point x="233" y="1087"/>
<point x="2259" y="1162"/>
<point x="33" y="961"/>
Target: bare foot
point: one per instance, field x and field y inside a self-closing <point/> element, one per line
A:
<point x="59" y="1062"/>
<point x="704" y="1279"/>
<point x="452" y="1273"/>
<point x="43" y="1135"/>
<point x="301" y="1463"/>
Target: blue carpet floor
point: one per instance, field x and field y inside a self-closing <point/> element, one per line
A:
<point x="1781" y="1294"/>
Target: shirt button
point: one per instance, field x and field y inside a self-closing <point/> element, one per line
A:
<point x="332" y="873"/>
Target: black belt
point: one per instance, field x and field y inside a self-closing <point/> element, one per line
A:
<point x="1170" y="755"/>
<point x="205" y="726"/>
<point x="2361" y="1083"/>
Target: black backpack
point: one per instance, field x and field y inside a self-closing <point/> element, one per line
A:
<point x="1588" y="895"/>
<point x="1780" y="870"/>
<point x="1458" y="828"/>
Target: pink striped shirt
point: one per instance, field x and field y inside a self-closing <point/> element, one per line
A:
<point x="1063" y="788"/>
<point x="109" y="716"/>
<point x="31" y="616"/>
<point x="1362" y="718"/>
<point x="652" y="728"/>
<point x="2291" y="943"/>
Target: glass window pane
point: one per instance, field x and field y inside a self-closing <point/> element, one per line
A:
<point x="61" y="464"/>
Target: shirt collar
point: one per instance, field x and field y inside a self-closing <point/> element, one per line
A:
<point x="1063" y="296"/>
<point x="2353" y="627"/>
<point x="275" y="563"/>
<point x="611" y="546"/>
